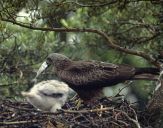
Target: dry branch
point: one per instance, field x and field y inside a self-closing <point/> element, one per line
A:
<point x="111" y="43"/>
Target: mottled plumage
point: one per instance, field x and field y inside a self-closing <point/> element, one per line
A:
<point x="87" y="78"/>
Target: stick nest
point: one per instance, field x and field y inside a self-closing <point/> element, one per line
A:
<point x="103" y="113"/>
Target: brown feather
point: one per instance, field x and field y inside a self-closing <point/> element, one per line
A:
<point x="88" y="79"/>
<point x="91" y="75"/>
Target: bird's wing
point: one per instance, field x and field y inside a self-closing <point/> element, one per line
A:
<point x="91" y="73"/>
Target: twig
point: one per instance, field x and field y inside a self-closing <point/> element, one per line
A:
<point x="93" y="5"/>
<point x="120" y="90"/>
<point x="135" y="121"/>
<point x="159" y="78"/>
<point x="87" y="111"/>
<point x="18" y="122"/>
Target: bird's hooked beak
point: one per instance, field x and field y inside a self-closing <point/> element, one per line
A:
<point x="41" y="69"/>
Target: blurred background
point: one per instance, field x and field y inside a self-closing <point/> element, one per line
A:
<point x="136" y="25"/>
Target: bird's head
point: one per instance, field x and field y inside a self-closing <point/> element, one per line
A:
<point x="58" y="61"/>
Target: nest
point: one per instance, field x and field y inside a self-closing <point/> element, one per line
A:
<point x="103" y="113"/>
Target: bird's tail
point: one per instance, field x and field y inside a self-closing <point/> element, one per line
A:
<point x="150" y="77"/>
<point x="154" y="71"/>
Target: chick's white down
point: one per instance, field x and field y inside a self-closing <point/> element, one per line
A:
<point x="48" y="95"/>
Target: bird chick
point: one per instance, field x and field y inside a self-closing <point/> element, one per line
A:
<point x="48" y="95"/>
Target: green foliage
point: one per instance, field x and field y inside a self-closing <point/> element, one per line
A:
<point x="134" y="25"/>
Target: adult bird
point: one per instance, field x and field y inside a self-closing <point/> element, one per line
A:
<point x="48" y="95"/>
<point x="88" y="78"/>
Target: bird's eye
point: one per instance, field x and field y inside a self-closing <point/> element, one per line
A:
<point x="56" y="95"/>
<point x="48" y="61"/>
